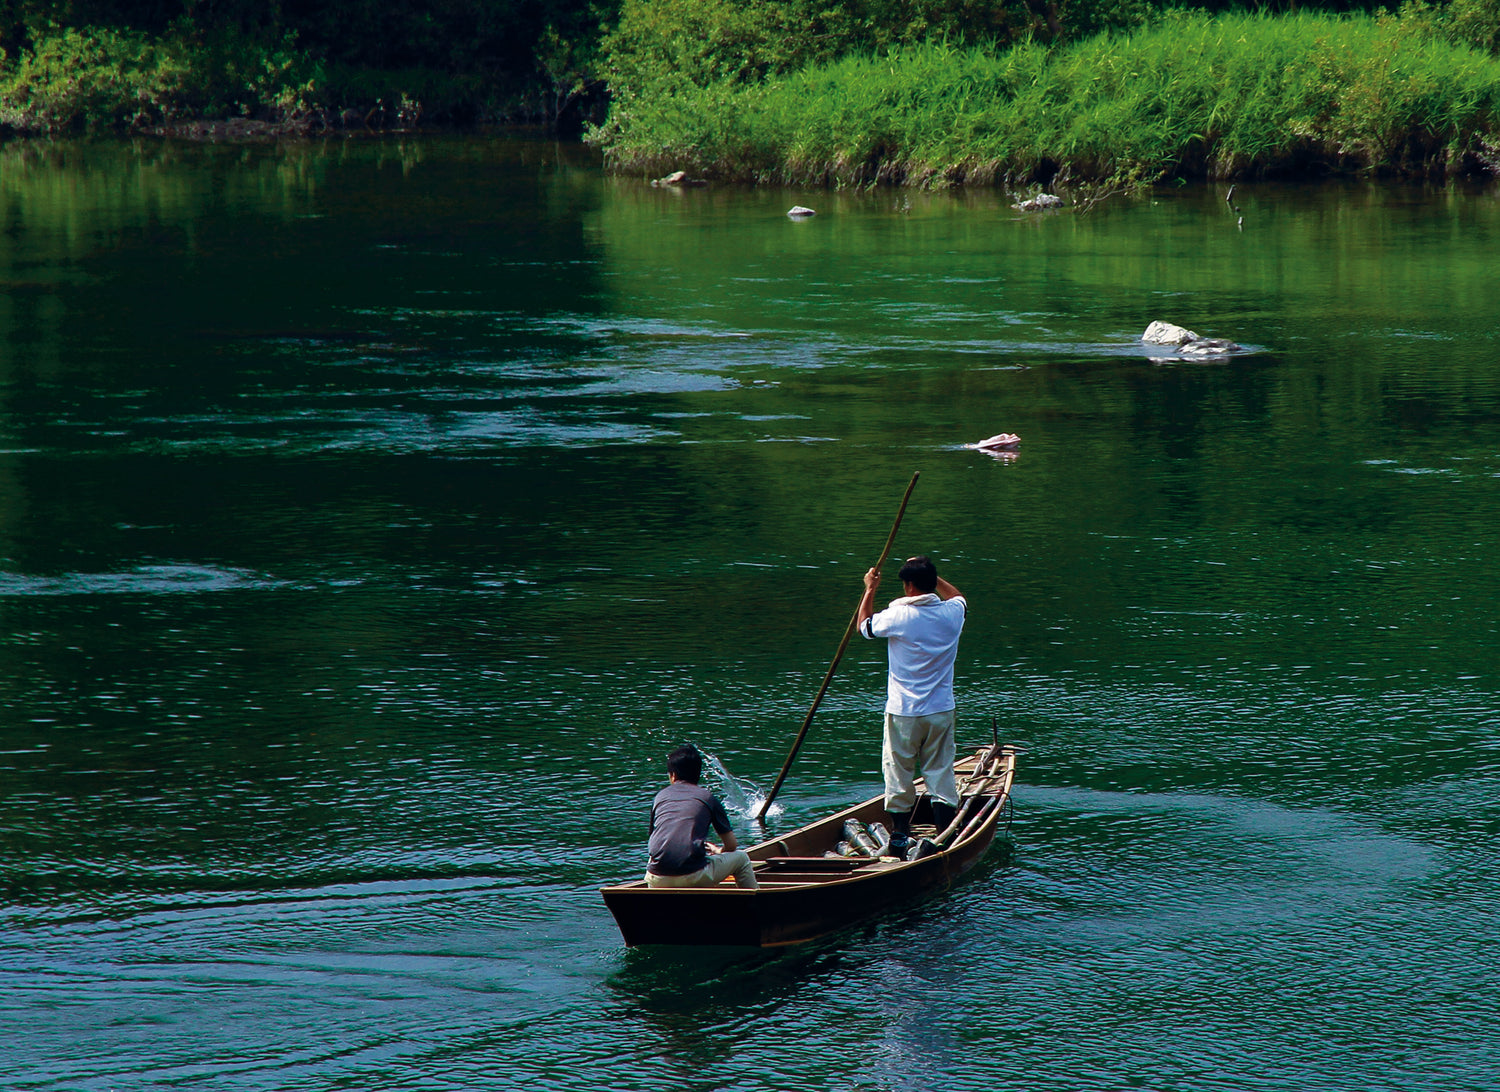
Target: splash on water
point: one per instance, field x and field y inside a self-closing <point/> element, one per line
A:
<point x="742" y="798"/>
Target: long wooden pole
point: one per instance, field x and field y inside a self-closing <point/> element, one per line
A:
<point x="837" y="656"/>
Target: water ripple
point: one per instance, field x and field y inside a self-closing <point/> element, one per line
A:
<point x="141" y="580"/>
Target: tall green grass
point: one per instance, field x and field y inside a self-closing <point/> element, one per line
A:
<point x="1224" y="96"/>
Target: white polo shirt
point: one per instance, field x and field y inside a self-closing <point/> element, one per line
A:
<point x="921" y="634"/>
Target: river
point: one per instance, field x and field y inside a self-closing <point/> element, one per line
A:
<point x="376" y="515"/>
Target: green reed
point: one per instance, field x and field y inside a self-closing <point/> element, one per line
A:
<point x="1224" y="96"/>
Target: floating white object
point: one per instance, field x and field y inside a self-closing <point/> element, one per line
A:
<point x="1001" y="441"/>
<point x="800" y="212"/>
<point x="677" y="178"/>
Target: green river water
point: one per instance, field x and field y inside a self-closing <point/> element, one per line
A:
<point x="375" y="516"/>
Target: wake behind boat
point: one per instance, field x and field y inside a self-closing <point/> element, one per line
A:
<point x="808" y="888"/>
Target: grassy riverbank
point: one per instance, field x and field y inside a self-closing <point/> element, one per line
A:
<point x="1191" y="94"/>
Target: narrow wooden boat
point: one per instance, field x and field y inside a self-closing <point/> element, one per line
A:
<point x="804" y="894"/>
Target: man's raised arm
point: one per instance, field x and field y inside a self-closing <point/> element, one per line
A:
<point x="867" y="603"/>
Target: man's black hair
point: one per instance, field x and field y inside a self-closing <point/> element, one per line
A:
<point x="685" y="764"/>
<point x="920" y="573"/>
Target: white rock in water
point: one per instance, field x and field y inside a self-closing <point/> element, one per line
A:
<point x="1164" y="333"/>
<point x="800" y="212"/>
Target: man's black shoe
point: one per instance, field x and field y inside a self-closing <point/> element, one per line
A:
<point x="900" y="833"/>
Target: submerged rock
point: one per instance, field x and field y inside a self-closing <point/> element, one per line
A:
<point x="1186" y="341"/>
<point x="1210" y="346"/>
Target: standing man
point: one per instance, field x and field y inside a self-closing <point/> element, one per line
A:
<point x="921" y="631"/>
<point x="681" y="855"/>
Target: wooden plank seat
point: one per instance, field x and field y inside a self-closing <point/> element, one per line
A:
<point x="816" y="864"/>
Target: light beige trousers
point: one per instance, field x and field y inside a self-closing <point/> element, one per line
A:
<point x="735" y="862"/>
<point x="918" y="745"/>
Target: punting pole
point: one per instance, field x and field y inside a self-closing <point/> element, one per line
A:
<point x="837" y="656"/>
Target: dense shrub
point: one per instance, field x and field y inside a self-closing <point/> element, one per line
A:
<point x="463" y="60"/>
<point x="1475" y="23"/>
<point x="87" y="78"/>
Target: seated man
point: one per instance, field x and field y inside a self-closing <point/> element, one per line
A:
<point x="680" y="818"/>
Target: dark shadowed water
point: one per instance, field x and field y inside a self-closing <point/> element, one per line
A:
<point x="375" y="516"/>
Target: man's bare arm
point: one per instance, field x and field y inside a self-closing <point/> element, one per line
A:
<point x="867" y="603"/>
<point x="946" y="590"/>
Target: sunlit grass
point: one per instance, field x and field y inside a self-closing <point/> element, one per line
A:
<point x="1226" y="97"/>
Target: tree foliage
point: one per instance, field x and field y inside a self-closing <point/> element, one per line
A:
<point x="467" y="60"/>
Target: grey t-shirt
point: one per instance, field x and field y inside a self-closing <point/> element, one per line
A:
<point x="680" y="817"/>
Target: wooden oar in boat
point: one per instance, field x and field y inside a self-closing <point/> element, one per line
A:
<point x="983" y="770"/>
<point x="991" y="767"/>
<point x="837" y="656"/>
<point x="988" y="768"/>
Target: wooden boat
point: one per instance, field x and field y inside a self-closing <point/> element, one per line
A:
<point x="804" y="894"/>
